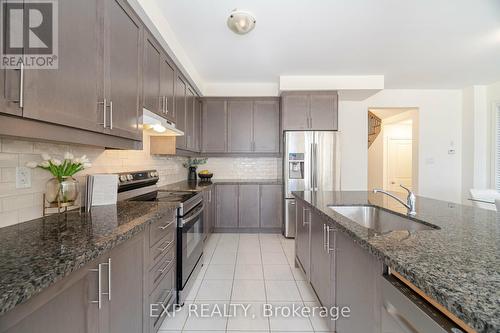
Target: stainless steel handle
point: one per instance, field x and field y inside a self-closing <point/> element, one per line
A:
<point x="21" y="87"/>
<point x="166" y="247"/>
<point x="210" y="196"/>
<point x="311" y="164"/>
<point x="195" y="215"/>
<point x="304" y="216"/>
<point x="324" y="237"/>
<point x="109" y="278"/>
<point x="328" y="248"/>
<point x="111" y="114"/>
<point x="99" y="286"/>
<point x="104" y="107"/>
<point x="163" y="227"/>
<point x="166" y="104"/>
<point x="165" y="268"/>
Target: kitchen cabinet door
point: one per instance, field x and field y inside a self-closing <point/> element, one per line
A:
<point x="151" y="76"/>
<point x="127" y="289"/>
<point x="197" y="125"/>
<point x="302" y="237"/>
<point x="208" y="199"/>
<point x="266" y="127"/>
<point x="123" y="62"/>
<point x="214" y="126"/>
<point x="320" y="260"/>
<point x="190" y="117"/>
<point x="68" y="95"/>
<point x="270" y="206"/>
<point x="295" y="112"/>
<point x="240" y="129"/>
<point x="69" y="311"/>
<point x="323" y="110"/>
<point x="248" y="206"/>
<point x="10" y="90"/>
<point x="357" y="276"/>
<point x="167" y="85"/>
<point x="227" y="206"/>
<point x="180" y="111"/>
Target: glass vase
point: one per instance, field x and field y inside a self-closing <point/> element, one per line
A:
<point x="61" y="192"/>
<point x="192" y="177"/>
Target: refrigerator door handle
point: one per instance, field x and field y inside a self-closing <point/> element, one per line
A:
<point x="313" y="167"/>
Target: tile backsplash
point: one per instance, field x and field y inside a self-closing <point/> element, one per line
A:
<point x="19" y="205"/>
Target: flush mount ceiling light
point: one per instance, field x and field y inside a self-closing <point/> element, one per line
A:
<point x="241" y="21"/>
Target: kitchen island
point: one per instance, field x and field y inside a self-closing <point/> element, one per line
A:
<point x="457" y="264"/>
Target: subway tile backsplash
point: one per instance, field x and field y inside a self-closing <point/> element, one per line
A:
<point x="19" y="205"/>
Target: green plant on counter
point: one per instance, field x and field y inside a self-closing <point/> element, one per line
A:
<point x="68" y="167"/>
<point x="195" y="162"/>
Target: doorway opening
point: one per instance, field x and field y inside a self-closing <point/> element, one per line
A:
<point x="393" y="148"/>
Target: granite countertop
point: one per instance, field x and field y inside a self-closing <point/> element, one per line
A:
<point x="201" y="186"/>
<point x="41" y="252"/>
<point x="458" y="265"/>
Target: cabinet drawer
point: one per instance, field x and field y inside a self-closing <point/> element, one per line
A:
<point x="158" y="250"/>
<point x="162" y="269"/>
<point x="161" y="229"/>
<point x="164" y="294"/>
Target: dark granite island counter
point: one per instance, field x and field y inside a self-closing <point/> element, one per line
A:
<point x="200" y="186"/>
<point x="458" y="265"/>
<point x="38" y="253"/>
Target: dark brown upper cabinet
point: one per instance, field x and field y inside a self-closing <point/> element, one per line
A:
<point x="310" y="111"/>
<point x="214" y="126"/>
<point x="167" y="87"/>
<point x="152" y="69"/>
<point x="197" y="125"/>
<point x="266" y="124"/>
<point x="180" y="111"/>
<point x="123" y="68"/>
<point x="252" y="125"/>
<point x="239" y="126"/>
<point x="190" y="119"/>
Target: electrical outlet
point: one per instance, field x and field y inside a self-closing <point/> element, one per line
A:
<point x="23" y="177"/>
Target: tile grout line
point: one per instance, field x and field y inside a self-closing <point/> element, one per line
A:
<point x="264" y="280"/>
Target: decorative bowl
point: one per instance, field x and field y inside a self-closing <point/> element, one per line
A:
<point x="205" y="176"/>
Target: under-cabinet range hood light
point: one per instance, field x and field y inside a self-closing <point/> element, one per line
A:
<point x="241" y="21"/>
<point x="157" y="125"/>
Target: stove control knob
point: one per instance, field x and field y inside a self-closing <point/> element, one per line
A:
<point x="123" y="178"/>
<point x="130" y="177"/>
<point x="155" y="174"/>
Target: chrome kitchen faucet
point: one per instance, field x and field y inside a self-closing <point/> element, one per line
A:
<point x="410" y="200"/>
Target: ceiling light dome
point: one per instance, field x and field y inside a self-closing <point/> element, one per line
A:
<point x="241" y="21"/>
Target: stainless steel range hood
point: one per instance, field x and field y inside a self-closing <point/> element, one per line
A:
<point x="157" y="125"/>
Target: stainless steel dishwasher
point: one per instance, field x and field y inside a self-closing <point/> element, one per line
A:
<point x="405" y="311"/>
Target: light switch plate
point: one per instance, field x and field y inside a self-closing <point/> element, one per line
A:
<point x="23" y="177"/>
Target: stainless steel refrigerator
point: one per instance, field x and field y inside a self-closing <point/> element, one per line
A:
<point x="311" y="163"/>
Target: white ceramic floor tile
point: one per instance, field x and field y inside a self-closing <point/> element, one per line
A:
<point x="250" y="319"/>
<point x="197" y="322"/>
<point x="269" y="247"/>
<point x="222" y="257"/>
<point x="219" y="290"/>
<point x="298" y="274"/>
<point x="287" y="323"/>
<point x="306" y="291"/>
<point x="248" y="290"/>
<point x="176" y="320"/>
<point x="278" y="272"/>
<point x="249" y="258"/>
<point x="248" y="272"/>
<point x="278" y="291"/>
<point x="319" y="320"/>
<point x="249" y="246"/>
<point x="274" y="258"/>
<point x="194" y="290"/>
<point x="219" y="272"/>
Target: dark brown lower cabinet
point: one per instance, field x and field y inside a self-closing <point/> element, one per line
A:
<point x="248" y="206"/>
<point x="320" y="259"/>
<point x="357" y="285"/>
<point x="271" y="206"/>
<point x="227" y="206"/>
<point x="208" y="213"/>
<point x="77" y="305"/>
<point x="302" y="237"/>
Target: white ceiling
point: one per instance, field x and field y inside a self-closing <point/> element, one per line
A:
<point x="415" y="44"/>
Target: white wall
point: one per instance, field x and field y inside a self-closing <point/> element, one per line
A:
<point x="439" y="128"/>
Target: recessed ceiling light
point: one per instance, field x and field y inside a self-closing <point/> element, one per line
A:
<point x="241" y="21"/>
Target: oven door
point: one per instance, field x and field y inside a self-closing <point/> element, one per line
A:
<point x="191" y="244"/>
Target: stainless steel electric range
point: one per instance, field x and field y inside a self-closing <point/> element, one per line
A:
<point x="142" y="186"/>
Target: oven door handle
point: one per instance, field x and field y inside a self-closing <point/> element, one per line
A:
<point x="193" y="216"/>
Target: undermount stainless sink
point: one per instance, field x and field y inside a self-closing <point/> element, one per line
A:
<point x="380" y="220"/>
